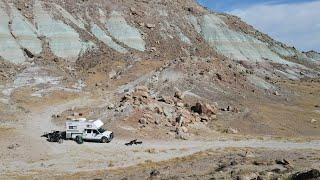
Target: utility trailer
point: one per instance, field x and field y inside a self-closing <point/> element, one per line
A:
<point x="55" y="136"/>
<point x="90" y="130"/>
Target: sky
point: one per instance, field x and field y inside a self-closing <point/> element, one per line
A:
<point x="294" y="22"/>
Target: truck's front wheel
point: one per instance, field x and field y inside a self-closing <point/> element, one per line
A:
<point x="79" y="140"/>
<point x="110" y="137"/>
<point x="104" y="140"/>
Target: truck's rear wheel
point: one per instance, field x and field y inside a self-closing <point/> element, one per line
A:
<point x="79" y="140"/>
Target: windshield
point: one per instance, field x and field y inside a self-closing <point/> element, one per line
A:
<point x="101" y="130"/>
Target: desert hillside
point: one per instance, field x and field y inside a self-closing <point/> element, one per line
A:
<point x="181" y="78"/>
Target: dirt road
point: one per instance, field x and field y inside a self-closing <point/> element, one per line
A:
<point x="42" y="156"/>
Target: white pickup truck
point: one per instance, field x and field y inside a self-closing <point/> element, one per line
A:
<point x="90" y="130"/>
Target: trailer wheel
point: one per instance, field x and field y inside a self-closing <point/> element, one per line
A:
<point x="79" y="140"/>
<point x="104" y="140"/>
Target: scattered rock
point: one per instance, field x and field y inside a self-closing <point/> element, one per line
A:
<point x="167" y="112"/>
<point x="151" y="151"/>
<point x="180" y="104"/>
<point x="249" y="154"/>
<point x="260" y="162"/>
<point x="267" y="78"/>
<point x="111" y="106"/>
<point x="190" y="9"/>
<point x="166" y="99"/>
<point x="209" y="110"/>
<point x="204" y="118"/>
<point x="188" y="118"/>
<point x="141" y="91"/>
<point x="180" y="134"/>
<point x="150" y="26"/>
<point x="197" y="108"/>
<point x="276" y="93"/>
<point x="313" y="121"/>
<point x="276" y="170"/>
<point x="184" y="129"/>
<point x="309" y="175"/>
<point x="112" y="74"/>
<point x="148" y="116"/>
<point x="235" y="110"/>
<point x="180" y="120"/>
<point x="229" y="108"/>
<point x="282" y="162"/>
<point x="213" y="117"/>
<point x="55" y="116"/>
<point x="133" y="11"/>
<point x="143" y="121"/>
<point x="157" y="121"/>
<point x="142" y="88"/>
<point x="141" y="24"/>
<point x="154" y="173"/>
<point x="232" y="131"/>
<point x="153" y="49"/>
<point x="233" y="163"/>
<point x="28" y="53"/>
<point x="126" y="98"/>
<point x="158" y="109"/>
<point x="219" y="76"/>
<point x="13" y="146"/>
<point x="248" y="176"/>
<point x="140" y="95"/>
<point x="178" y="95"/>
<point x="204" y="109"/>
<point x="221" y="167"/>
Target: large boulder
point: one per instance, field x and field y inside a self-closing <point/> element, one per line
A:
<point x="142" y="88"/>
<point x="166" y="99"/>
<point x="178" y="95"/>
<point x="205" y="108"/>
<point x="180" y="120"/>
<point x="231" y="130"/>
<point x="181" y="133"/>
<point x="140" y="94"/>
<point x="309" y="175"/>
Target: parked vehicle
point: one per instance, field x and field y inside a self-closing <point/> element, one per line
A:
<point x="55" y="136"/>
<point x="90" y="130"/>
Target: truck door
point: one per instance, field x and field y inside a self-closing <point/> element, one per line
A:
<point x="88" y="134"/>
<point x="95" y="134"/>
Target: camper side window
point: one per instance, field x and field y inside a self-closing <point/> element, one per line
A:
<point x="72" y="127"/>
<point x="89" y="131"/>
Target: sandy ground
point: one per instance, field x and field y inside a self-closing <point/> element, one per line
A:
<point x="226" y="163"/>
<point x="33" y="155"/>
